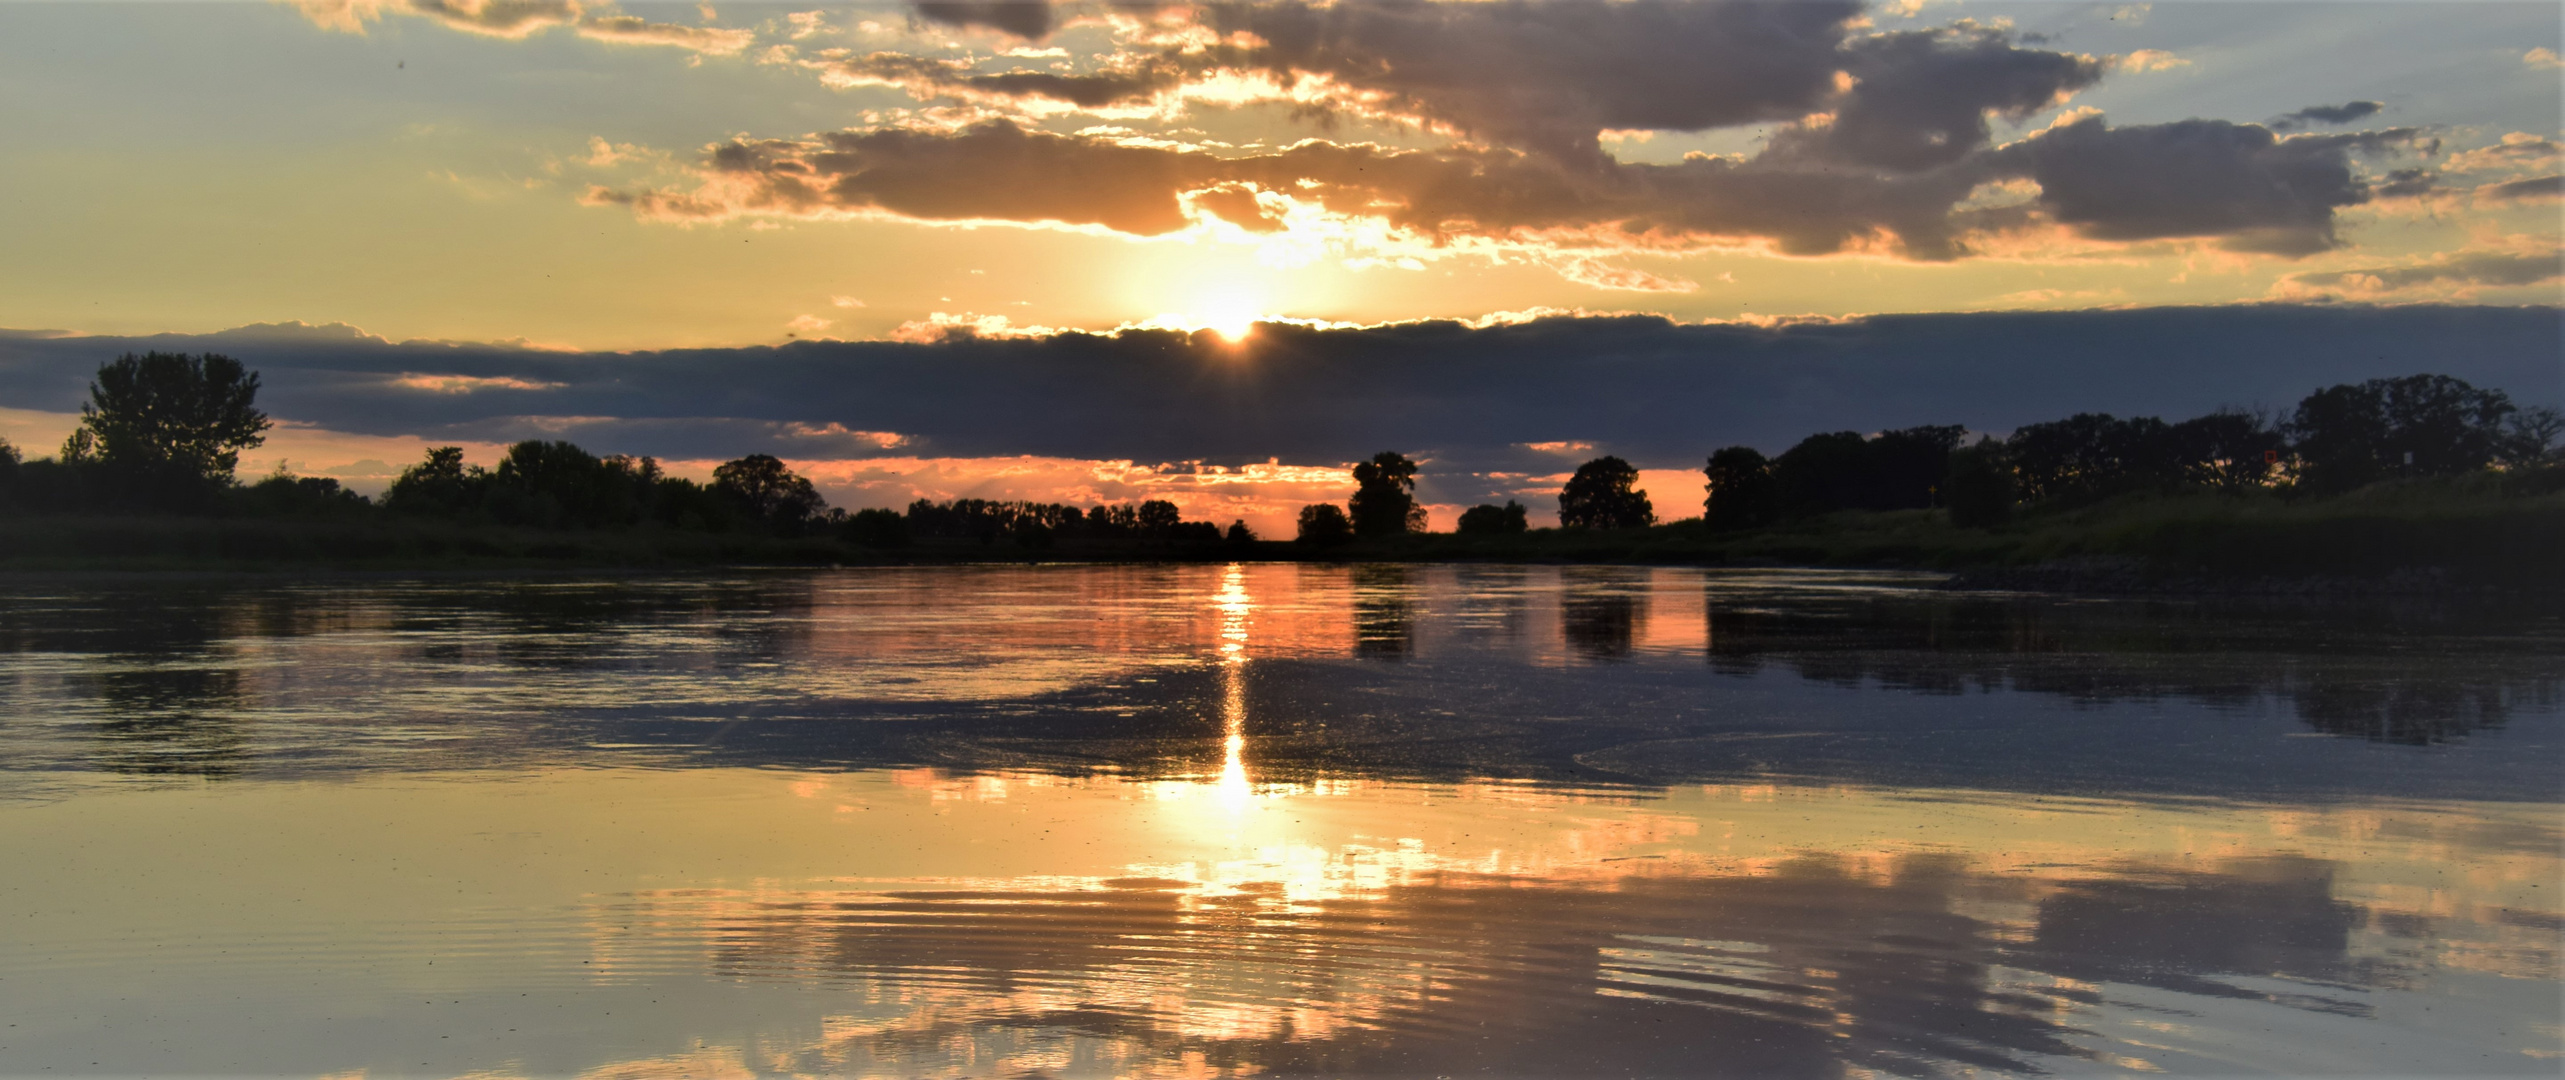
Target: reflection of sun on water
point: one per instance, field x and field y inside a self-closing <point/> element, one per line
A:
<point x="1235" y="605"/>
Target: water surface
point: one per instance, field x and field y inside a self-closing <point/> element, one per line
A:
<point x="1289" y="819"/>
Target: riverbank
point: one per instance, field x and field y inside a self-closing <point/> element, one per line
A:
<point x="2414" y="536"/>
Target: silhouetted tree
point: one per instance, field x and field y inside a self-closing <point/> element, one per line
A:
<point x="1822" y="474"/>
<point x="8" y="473"/>
<point x="1979" y="490"/>
<point x="2532" y="436"/>
<point x="875" y="527"/>
<point x="2227" y="450"/>
<point x="1157" y="518"/>
<point x="1323" y="525"/>
<point x="441" y="485"/>
<point x="558" y="485"/>
<point x="1486" y="520"/>
<point x="1742" y="492"/>
<point x="767" y="490"/>
<point x="1384" y="502"/>
<point x="1240" y="535"/>
<point x="2092" y="456"/>
<point x="1604" y="494"/>
<point x="2419" y="425"/>
<point x="169" y="424"/>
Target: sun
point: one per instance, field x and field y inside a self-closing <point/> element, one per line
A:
<point x="1231" y="315"/>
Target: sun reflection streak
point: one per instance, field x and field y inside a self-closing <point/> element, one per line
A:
<point x="1235" y="606"/>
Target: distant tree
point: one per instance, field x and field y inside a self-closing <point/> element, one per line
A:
<point x="1604" y="494"/>
<point x="1743" y="494"/>
<point x="441" y="485"/>
<point x="551" y="484"/>
<point x="1240" y="535"/>
<point x="1384" y="502"/>
<point x="1157" y="518"/>
<point x="768" y="490"/>
<point x="2092" y="456"/>
<point x="1323" y="525"/>
<point x="173" y="423"/>
<point x="1503" y="520"/>
<point x="8" y="473"/>
<point x="2532" y="436"/>
<point x="79" y="449"/>
<point x="1906" y="466"/>
<point x="876" y="528"/>
<point x="1822" y="474"/>
<point x="1979" y="490"/>
<point x="2227" y="450"/>
<point x="2420" y="425"/>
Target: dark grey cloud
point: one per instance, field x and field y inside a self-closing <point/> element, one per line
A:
<point x="2328" y="114"/>
<point x="2536" y="187"/>
<point x="1659" y="394"/>
<point x="2199" y="178"/>
<point x="2468" y="268"/>
<point x="1924" y="97"/>
<point x="1022" y="18"/>
<point x="1548" y="77"/>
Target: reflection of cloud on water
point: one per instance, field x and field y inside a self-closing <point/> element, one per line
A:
<point x="1356" y="959"/>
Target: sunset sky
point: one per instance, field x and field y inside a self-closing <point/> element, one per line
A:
<point x="557" y="190"/>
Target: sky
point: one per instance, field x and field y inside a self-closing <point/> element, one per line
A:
<point x="1090" y="251"/>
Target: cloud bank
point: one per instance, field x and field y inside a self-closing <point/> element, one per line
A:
<point x="1491" y="406"/>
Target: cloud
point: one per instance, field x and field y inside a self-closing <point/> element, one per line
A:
<point x="1022" y="18"/>
<point x="2236" y="183"/>
<point x="524" y="18"/>
<point x="2146" y="60"/>
<point x="2542" y="57"/>
<point x="1601" y="275"/>
<point x="466" y="384"/>
<point x="2519" y="149"/>
<point x="2327" y="114"/>
<point x="630" y="30"/>
<point x="2518" y="262"/>
<point x="2528" y="190"/>
<point x="1658" y="394"/>
<point x="2199" y="178"/>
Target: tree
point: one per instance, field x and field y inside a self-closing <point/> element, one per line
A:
<point x="1323" y="525"/>
<point x="2228" y="450"/>
<point x="876" y="528"/>
<point x="2093" y="456"/>
<point x="1979" y="490"/>
<point x="1742" y="492"/>
<point x="1158" y="518"/>
<point x="2419" y="425"/>
<point x="1503" y="520"/>
<point x="442" y="484"/>
<point x="1384" y="502"/>
<point x="1240" y="535"/>
<point x="1604" y="494"/>
<point x="172" y="421"/>
<point x="768" y="490"/>
<point x="2531" y="437"/>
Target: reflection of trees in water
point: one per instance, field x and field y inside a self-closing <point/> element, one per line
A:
<point x="1601" y="610"/>
<point x="1384" y="611"/>
<point x="1802" y="969"/>
<point x="170" y="720"/>
<point x="2340" y="669"/>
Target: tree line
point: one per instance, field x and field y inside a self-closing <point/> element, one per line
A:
<point x="163" y="432"/>
<point x="2337" y="439"/>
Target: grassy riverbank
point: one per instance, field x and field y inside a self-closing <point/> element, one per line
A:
<point x="2467" y="530"/>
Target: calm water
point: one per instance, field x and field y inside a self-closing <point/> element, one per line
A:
<point x="1216" y="820"/>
